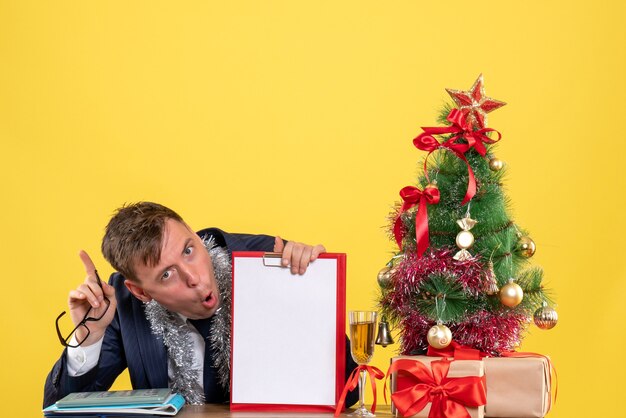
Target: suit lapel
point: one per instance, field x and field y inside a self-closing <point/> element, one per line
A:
<point x="151" y="351"/>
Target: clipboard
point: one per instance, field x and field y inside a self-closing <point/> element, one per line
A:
<point x="288" y="334"/>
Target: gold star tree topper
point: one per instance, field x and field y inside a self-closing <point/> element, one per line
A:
<point x="474" y="104"/>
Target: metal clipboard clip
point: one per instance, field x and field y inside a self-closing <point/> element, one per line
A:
<point x="272" y="259"/>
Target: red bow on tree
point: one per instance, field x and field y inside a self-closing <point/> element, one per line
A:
<point x="448" y="396"/>
<point x="461" y="129"/>
<point x="413" y="196"/>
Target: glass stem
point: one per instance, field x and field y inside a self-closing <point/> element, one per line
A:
<point x="362" y="380"/>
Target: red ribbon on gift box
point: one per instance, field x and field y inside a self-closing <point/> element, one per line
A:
<point x="449" y="396"/>
<point x="457" y="351"/>
<point x="461" y="129"/>
<point x="463" y="352"/>
<point x="412" y="196"/>
<point x="353" y="381"/>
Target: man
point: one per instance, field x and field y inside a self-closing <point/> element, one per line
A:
<point x="165" y="314"/>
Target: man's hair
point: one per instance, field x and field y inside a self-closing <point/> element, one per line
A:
<point x="135" y="234"/>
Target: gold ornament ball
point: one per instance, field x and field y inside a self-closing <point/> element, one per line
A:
<point x="464" y="240"/>
<point x="439" y="336"/>
<point x="526" y="246"/>
<point x="496" y="164"/>
<point x="384" y="277"/>
<point x="511" y="294"/>
<point x="545" y="317"/>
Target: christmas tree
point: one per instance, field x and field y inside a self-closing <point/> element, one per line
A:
<point x="462" y="271"/>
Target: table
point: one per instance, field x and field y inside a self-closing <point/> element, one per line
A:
<point x="223" y="411"/>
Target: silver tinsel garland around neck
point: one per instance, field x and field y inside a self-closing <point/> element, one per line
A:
<point x="176" y="336"/>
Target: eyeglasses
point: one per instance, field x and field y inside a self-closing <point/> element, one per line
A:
<point x="83" y="323"/>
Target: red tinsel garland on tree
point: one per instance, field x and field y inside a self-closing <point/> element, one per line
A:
<point x="493" y="331"/>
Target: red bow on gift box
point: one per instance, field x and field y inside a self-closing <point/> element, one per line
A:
<point x="463" y="352"/>
<point x="449" y="396"/>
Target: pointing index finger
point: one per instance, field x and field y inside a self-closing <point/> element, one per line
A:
<point x="90" y="268"/>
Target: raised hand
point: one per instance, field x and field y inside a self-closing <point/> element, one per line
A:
<point x="89" y="297"/>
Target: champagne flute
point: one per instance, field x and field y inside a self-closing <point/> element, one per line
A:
<point x="362" y="337"/>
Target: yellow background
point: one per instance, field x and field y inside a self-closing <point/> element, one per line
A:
<point x="296" y="118"/>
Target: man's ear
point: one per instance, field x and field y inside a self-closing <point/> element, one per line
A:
<point x="137" y="291"/>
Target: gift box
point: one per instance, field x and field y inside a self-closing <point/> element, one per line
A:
<point x="517" y="387"/>
<point x="419" y="383"/>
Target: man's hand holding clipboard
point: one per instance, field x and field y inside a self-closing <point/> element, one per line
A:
<point x="297" y="255"/>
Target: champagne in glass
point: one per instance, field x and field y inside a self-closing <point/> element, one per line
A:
<point x="362" y="338"/>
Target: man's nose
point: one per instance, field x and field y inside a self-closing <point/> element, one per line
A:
<point x="191" y="275"/>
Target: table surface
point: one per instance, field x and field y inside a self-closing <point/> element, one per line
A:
<point x="223" y="411"/>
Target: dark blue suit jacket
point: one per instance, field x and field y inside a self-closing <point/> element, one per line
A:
<point x="129" y="343"/>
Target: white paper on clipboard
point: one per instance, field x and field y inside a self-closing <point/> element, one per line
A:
<point x="287" y="330"/>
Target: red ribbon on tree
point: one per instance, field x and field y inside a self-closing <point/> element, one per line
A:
<point x="462" y="129"/>
<point x="353" y="382"/>
<point x="449" y="396"/>
<point x="413" y="196"/>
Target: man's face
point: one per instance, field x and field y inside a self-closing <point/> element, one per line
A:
<point x="183" y="280"/>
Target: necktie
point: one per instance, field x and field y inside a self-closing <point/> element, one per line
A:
<point x="213" y="392"/>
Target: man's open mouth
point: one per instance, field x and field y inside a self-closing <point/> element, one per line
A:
<point x="210" y="301"/>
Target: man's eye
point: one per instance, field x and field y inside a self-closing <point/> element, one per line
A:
<point x="188" y="250"/>
<point x="166" y="275"/>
